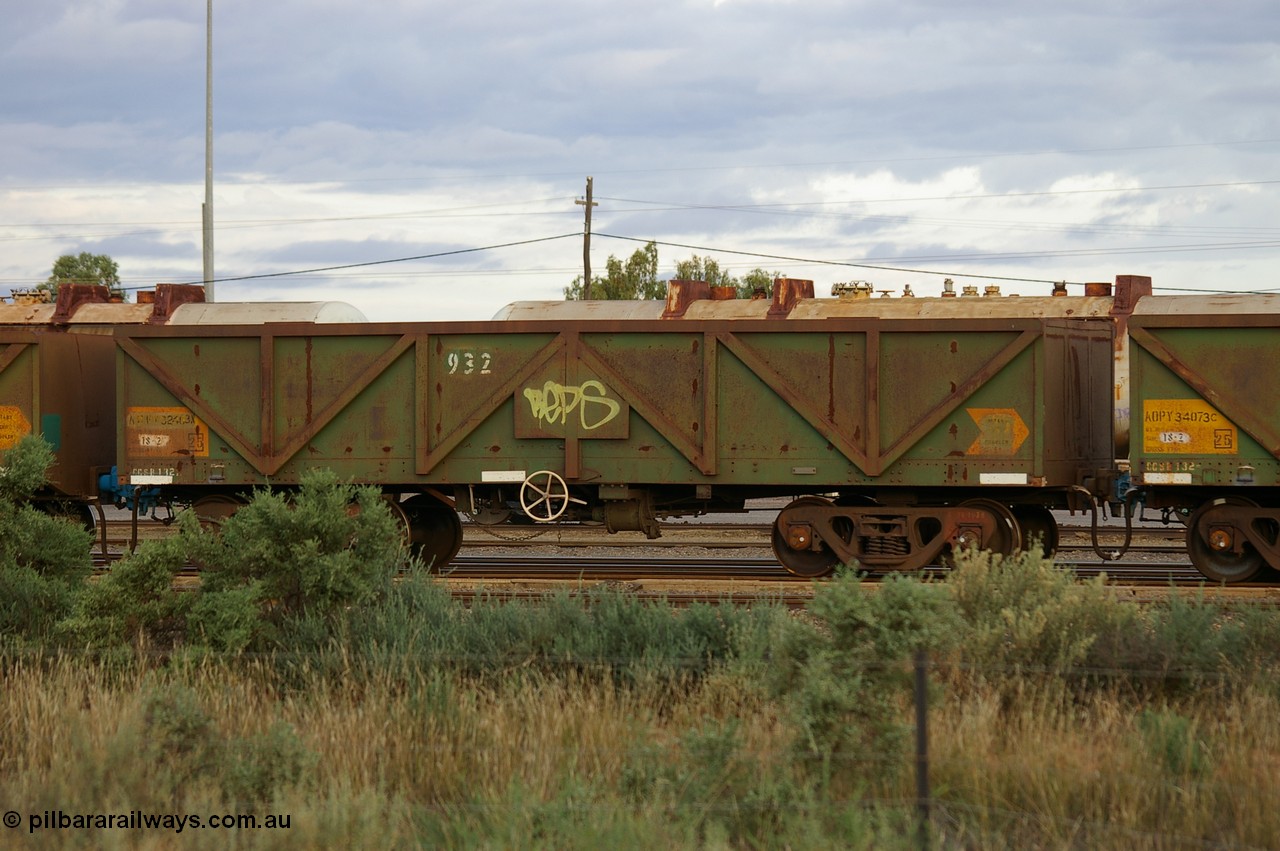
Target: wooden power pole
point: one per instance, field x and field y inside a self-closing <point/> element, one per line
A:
<point x="586" y="242"/>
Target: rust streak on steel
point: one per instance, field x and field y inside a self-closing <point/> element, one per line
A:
<point x="354" y="388"/>
<point x="975" y="382"/>
<point x="871" y="465"/>
<point x="831" y="377"/>
<point x="778" y="384"/>
<point x="690" y="449"/>
<point x="266" y="399"/>
<point x="710" y="408"/>
<point x="435" y="447"/>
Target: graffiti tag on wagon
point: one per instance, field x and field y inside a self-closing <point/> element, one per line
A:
<point x="548" y="410"/>
<point x="554" y="402"/>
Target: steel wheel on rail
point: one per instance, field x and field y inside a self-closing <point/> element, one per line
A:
<point x="435" y="530"/>
<point x="790" y="546"/>
<point x="1007" y="536"/>
<point x="1037" y="525"/>
<point x="215" y="509"/>
<point x="78" y="513"/>
<point x="1211" y="544"/>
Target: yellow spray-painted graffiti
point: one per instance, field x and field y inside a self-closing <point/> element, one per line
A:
<point x="554" y="402"/>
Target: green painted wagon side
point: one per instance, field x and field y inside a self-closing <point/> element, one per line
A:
<point x="744" y="404"/>
<point x="1206" y="425"/>
<point x="637" y="418"/>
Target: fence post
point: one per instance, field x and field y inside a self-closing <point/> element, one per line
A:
<point x="922" y="747"/>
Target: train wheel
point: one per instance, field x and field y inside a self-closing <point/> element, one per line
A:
<point x="1210" y="545"/>
<point x="397" y="511"/>
<point x="435" y="530"/>
<point x="544" y="496"/>
<point x="1007" y="536"/>
<point x="1037" y="524"/>
<point x="216" y="509"/>
<point x="799" y="560"/>
<point x="78" y="513"/>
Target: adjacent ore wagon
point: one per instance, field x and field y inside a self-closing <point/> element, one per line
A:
<point x="902" y="427"/>
<point x="1206" y="417"/>
<point x="57" y="379"/>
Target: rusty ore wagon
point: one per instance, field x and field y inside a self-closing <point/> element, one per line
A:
<point x="1206" y="435"/>
<point x="899" y="427"/>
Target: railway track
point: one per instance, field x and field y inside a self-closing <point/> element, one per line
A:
<point x="1156" y="560"/>
<point x="596" y="568"/>
<point x="710" y="580"/>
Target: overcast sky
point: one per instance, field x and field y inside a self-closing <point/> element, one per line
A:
<point x="1067" y="141"/>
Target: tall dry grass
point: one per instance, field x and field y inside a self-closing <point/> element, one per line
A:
<point x="1059" y="719"/>
<point x="438" y="759"/>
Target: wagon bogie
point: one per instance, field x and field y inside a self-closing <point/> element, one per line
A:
<point x="811" y="536"/>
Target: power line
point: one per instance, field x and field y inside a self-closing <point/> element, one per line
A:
<point x="446" y="212"/>
<point x="842" y="263"/>
<point x="989" y="256"/>
<point x="386" y="262"/>
<point x="790" y="205"/>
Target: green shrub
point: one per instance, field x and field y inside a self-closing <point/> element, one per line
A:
<point x="229" y="620"/>
<point x="597" y="633"/>
<point x="1197" y="641"/>
<point x="259" y="768"/>
<point x="713" y="787"/>
<point x="1173" y="744"/>
<point x="331" y="546"/>
<point x="44" y="559"/>
<point x="1023" y="614"/>
<point x="847" y="675"/>
<point x="136" y="603"/>
<point x="182" y="742"/>
<point x="25" y="469"/>
<point x="184" y="747"/>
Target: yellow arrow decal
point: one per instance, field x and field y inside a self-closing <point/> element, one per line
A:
<point x="1001" y="431"/>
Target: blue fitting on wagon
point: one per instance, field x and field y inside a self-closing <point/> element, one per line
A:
<point x="112" y="490"/>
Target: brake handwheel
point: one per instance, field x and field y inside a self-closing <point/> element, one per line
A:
<point x="544" y="496"/>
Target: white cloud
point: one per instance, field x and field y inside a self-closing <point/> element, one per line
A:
<point x="357" y="132"/>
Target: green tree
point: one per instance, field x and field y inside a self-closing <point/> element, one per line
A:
<point x="637" y="278"/>
<point x="707" y="269"/>
<point x="704" y="269"/>
<point x="84" y="268"/>
<point x="758" y="279"/>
